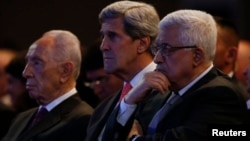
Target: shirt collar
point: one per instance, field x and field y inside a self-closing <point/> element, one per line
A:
<point x="59" y="100"/>
<point x="230" y="74"/>
<point x="138" y="76"/>
<point x="183" y="90"/>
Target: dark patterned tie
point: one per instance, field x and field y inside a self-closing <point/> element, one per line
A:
<point x="161" y="113"/>
<point x="39" y="116"/>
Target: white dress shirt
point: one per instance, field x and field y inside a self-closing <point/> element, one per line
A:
<point x="122" y="117"/>
<point x="59" y="100"/>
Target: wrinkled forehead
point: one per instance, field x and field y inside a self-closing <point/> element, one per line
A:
<point x="42" y="46"/>
<point x="112" y="25"/>
<point x="168" y="34"/>
<point x="32" y="50"/>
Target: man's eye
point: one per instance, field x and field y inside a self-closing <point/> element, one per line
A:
<point x="101" y="36"/>
<point x="36" y="62"/>
<point x="112" y="35"/>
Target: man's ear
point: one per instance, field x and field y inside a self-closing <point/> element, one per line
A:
<point x="198" y="56"/>
<point x="66" y="72"/>
<point x="232" y="54"/>
<point x="143" y="44"/>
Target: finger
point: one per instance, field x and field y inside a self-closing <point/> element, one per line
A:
<point x="158" y="81"/>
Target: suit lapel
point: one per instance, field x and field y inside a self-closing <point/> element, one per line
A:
<point x="102" y="115"/>
<point x="208" y="77"/>
<point x="25" y="121"/>
<point x="47" y="122"/>
<point x="108" y="109"/>
<point x="51" y="119"/>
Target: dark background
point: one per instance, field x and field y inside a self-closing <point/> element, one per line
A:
<point x="24" y="21"/>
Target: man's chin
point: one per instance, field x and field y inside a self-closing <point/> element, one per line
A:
<point x="37" y="99"/>
<point x="31" y="95"/>
<point x="40" y="101"/>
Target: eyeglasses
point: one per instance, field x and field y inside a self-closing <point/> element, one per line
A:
<point x="167" y="49"/>
<point x="96" y="82"/>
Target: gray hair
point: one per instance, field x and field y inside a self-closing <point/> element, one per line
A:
<point x="67" y="47"/>
<point x="195" y="28"/>
<point x="140" y="19"/>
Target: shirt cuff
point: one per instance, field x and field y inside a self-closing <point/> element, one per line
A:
<point x="134" y="137"/>
<point x="125" y="112"/>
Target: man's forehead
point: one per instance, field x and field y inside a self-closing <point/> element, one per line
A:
<point x="168" y="35"/>
<point x="33" y="46"/>
<point x="159" y="39"/>
<point x="44" y="42"/>
<point x="110" y="24"/>
<point x="32" y="49"/>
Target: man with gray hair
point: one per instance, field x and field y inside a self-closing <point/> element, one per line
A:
<point x="128" y="29"/>
<point x="53" y="65"/>
<point x="201" y="96"/>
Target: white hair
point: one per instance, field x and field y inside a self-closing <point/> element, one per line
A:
<point x="195" y="28"/>
<point x="67" y="46"/>
<point x="140" y="19"/>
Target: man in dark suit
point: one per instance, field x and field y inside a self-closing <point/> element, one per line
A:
<point x="128" y="29"/>
<point x="7" y="115"/>
<point x="53" y="65"/>
<point x="226" y="50"/>
<point x="202" y="98"/>
<point x="247" y="75"/>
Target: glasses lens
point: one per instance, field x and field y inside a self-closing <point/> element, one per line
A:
<point x="99" y="81"/>
<point x="154" y="49"/>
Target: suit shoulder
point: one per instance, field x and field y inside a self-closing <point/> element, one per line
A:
<point x="222" y="82"/>
<point x="27" y="112"/>
<point x="77" y="105"/>
<point x="85" y="108"/>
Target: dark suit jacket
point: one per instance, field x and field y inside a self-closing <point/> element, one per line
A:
<point x="67" y="121"/>
<point x="214" y="101"/>
<point x="106" y="113"/>
<point x="6" y="116"/>
<point x="242" y="87"/>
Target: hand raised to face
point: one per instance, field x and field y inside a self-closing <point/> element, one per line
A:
<point x="151" y="81"/>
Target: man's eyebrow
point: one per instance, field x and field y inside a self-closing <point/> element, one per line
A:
<point x="34" y="58"/>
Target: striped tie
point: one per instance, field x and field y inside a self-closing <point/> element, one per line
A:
<point x="161" y="113"/>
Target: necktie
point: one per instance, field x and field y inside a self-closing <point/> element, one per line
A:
<point x="125" y="90"/>
<point x="109" y="131"/>
<point x="161" y="113"/>
<point x="39" y="116"/>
